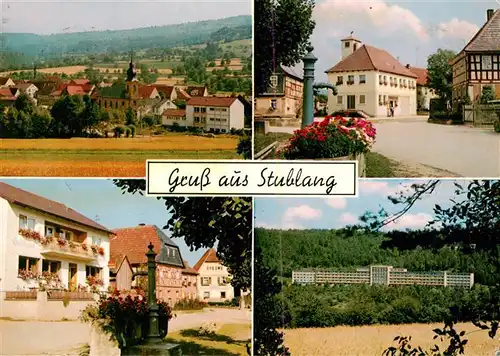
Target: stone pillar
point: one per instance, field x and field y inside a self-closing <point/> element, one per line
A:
<point x="308" y="102"/>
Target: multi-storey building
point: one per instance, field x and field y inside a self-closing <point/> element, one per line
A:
<point x="371" y="80"/>
<point x="214" y="280"/>
<point x="478" y="64"/>
<point x="173" y="277"/>
<point x="385" y="275"/>
<point x="41" y="238"/>
<point x="424" y="92"/>
<point x="215" y="114"/>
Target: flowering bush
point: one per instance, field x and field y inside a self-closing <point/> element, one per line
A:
<point x="62" y="242"/>
<point x="101" y="251"/>
<point x="30" y="234"/>
<point x="94" y="283"/>
<point x="25" y="274"/>
<point x="50" y="280"/>
<point x="126" y="318"/>
<point x="333" y="137"/>
<point x="94" y="248"/>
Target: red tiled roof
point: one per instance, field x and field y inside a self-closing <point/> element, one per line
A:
<point x="56" y="93"/>
<point x="75" y="90"/>
<point x="6" y="92"/>
<point x="181" y="94"/>
<point x="174" y="112"/>
<point x="87" y="87"/>
<point x="371" y="58"/>
<point x="79" y="81"/>
<point x="422" y="75"/>
<point x="165" y="89"/>
<point x="146" y="91"/>
<point x="209" y="256"/>
<point x="211" y="101"/>
<point x="133" y="242"/>
<point x="196" y="90"/>
<point x="188" y="269"/>
<point x="21" y="197"/>
<point x="488" y="36"/>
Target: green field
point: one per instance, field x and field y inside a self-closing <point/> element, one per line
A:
<point x="241" y="48"/>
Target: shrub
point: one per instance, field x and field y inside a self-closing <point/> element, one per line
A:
<point x="333" y="137"/>
<point x="132" y="130"/>
<point x="118" y="130"/>
<point x="245" y="147"/>
<point x="127" y="131"/>
<point x="190" y="304"/>
<point x="455" y="116"/>
<point x="496" y="125"/>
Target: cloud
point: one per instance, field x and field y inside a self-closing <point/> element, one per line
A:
<point x="336" y="203"/>
<point x="410" y="221"/>
<point x="456" y="28"/>
<point x="304" y="212"/>
<point x="348" y="218"/>
<point x="380" y="187"/>
<point x="386" y="18"/>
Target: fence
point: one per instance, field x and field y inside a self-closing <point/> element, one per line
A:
<point x="481" y="114"/>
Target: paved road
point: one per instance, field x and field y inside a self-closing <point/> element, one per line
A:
<point x="64" y="338"/>
<point x="466" y="151"/>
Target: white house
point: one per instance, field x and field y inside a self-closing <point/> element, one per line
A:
<point x="424" y="92"/>
<point x="40" y="237"/>
<point x="215" y="114"/>
<point x="369" y="79"/>
<point x="6" y="82"/>
<point x="175" y="116"/>
<point x="214" y="281"/>
<point x="28" y="89"/>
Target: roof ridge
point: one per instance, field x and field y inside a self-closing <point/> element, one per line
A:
<point x="480" y="31"/>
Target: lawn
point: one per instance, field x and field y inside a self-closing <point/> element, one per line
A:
<point x="378" y="166"/>
<point x="229" y="340"/>
<point x="374" y="339"/>
<point x="111" y="157"/>
<point x="261" y="141"/>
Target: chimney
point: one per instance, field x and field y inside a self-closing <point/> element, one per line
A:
<point x="489" y="14"/>
<point x="142" y="224"/>
<point x="407" y="66"/>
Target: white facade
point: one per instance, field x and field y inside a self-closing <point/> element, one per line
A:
<point x="214" y="283"/>
<point x="216" y="118"/>
<point x="70" y="262"/>
<point x="373" y="92"/>
<point x="163" y="105"/>
<point x="169" y="120"/>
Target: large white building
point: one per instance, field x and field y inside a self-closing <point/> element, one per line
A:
<point x="38" y="235"/>
<point x="215" y="114"/>
<point x="214" y="280"/>
<point x="369" y="79"/>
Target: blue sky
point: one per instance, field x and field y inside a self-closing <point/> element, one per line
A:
<point x="410" y="30"/>
<point x="45" y="17"/>
<point x="334" y="213"/>
<point x="100" y="200"/>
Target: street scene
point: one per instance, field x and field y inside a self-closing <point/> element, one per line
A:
<point x="81" y="266"/>
<point x="419" y="98"/>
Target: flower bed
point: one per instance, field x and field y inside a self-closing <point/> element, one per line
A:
<point x="333" y="137"/>
<point x="126" y="318"/>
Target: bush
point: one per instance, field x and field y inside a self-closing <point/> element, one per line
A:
<point x="132" y="130"/>
<point x="333" y="137"/>
<point x="496" y="125"/>
<point x="118" y="130"/>
<point x="245" y="147"/>
<point x="127" y="131"/>
<point x="455" y="116"/>
<point x="190" y="304"/>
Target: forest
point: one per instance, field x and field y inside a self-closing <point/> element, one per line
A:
<point x="22" y="49"/>
<point x="324" y="306"/>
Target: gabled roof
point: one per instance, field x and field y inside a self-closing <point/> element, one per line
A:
<point x="211" y="101"/>
<point x="45" y="87"/>
<point x="145" y="91"/>
<point x="7" y="92"/>
<point x="4" y="80"/>
<point x="23" y="198"/>
<point x="488" y="36"/>
<point x="196" y="90"/>
<point x="80" y="81"/>
<point x="422" y="75"/>
<point x="75" y="90"/>
<point x="210" y="255"/>
<point x="165" y="89"/>
<point x="292" y="72"/>
<point x="24" y="86"/>
<point x="118" y="263"/>
<point x="133" y="242"/>
<point x="371" y="58"/>
<point x="181" y="94"/>
<point x="188" y="269"/>
<point x="174" y="112"/>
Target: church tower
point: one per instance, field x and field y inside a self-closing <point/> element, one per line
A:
<point x="131" y="82"/>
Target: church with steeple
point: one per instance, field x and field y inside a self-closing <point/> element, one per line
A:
<point x="132" y="94"/>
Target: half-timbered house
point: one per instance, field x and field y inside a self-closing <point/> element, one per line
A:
<point x="478" y="64"/>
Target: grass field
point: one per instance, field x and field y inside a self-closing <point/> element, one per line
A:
<point x="229" y="340"/>
<point x="123" y="157"/>
<point x="373" y="340"/>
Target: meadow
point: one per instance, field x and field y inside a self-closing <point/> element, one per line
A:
<point x="105" y="157"/>
<point x="374" y="339"/>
